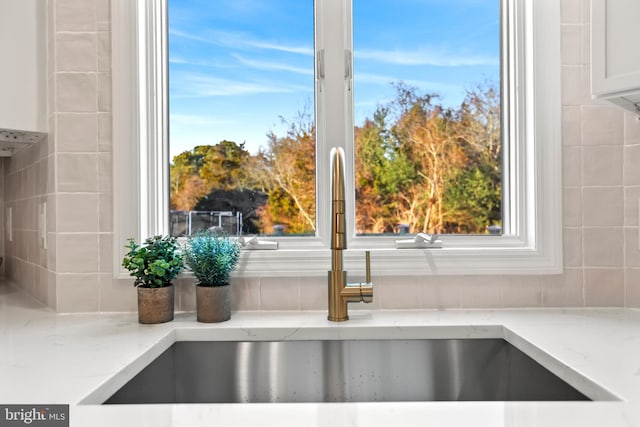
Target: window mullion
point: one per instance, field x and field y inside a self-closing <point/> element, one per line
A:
<point x="334" y="108"/>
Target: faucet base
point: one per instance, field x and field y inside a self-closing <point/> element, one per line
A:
<point x="337" y="305"/>
<point x="342" y="293"/>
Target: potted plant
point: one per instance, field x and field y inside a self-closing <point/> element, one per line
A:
<point x="154" y="264"/>
<point x="212" y="258"/>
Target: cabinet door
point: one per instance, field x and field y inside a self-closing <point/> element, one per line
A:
<point x="615" y="53"/>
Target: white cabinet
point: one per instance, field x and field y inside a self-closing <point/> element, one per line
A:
<point x="23" y="102"/>
<point x="615" y="52"/>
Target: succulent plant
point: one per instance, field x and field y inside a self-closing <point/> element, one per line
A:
<point x="211" y="258"/>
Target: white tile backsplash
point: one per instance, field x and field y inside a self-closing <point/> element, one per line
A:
<point x="631" y="205"/>
<point x="602" y="125"/>
<point x="571" y="125"/>
<point x="572" y="166"/>
<point x="76" y="92"/>
<point x="77" y="253"/>
<point x="75" y="15"/>
<point x="571" y="85"/>
<point x="603" y="247"/>
<point x="77" y="172"/>
<point x="632" y="165"/>
<point x="76" y="52"/>
<point x="571" y="11"/>
<point x="564" y="290"/>
<point x="602" y="206"/>
<point x="483" y="292"/>
<point x="78" y="293"/>
<point x="602" y="165"/>
<point x="572" y="207"/>
<point x="399" y="292"/>
<point x="572" y="44"/>
<point x="77" y="212"/>
<point x="604" y="287"/>
<point x="631" y="129"/>
<point x="280" y="293"/>
<point x="522" y="291"/>
<point x="77" y="132"/>
<point x="572" y="242"/>
<point x="441" y="292"/>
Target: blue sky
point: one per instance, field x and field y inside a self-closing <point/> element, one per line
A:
<point x="237" y="66"/>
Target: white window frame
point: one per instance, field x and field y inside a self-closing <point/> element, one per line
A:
<point x="532" y="243"/>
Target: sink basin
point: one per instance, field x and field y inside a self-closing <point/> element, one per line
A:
<point x="343" y="371"/>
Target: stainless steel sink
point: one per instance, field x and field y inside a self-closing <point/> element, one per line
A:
<point x="344" y="371"/>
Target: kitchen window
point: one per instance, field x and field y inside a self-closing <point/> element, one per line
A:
<point x="530" y="87"/>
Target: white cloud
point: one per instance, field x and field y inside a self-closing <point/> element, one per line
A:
<point x="421" y="84"/>
<point x="188" y="36"/>
<point x="302" y="50"/>
<point x="208" y="64"/>
<point x="275" y="66"/>
<point x="176" y="60"/>
<point x="241" y="40"/>
<point x="197" y="86"/>
<point x="426" y="57"/>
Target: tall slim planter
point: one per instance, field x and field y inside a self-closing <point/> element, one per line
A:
<point x="155" y="305"/>
<point x="213" y="303"/>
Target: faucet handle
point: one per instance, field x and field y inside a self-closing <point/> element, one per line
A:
<point x="366" y="289"/>
<point x="366" y="292"/>
<point x="361" y="291"/>
<point x="367" y="266"/>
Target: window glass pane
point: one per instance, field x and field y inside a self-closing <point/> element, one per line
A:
<point x="242" y="136"/>
<point x="427" y="116"/>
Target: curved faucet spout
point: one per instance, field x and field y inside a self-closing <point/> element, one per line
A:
<point x="338" y="221"/>
<point x="340" y="292"/>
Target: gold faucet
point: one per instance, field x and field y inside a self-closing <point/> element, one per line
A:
<point x="340" y="292"/>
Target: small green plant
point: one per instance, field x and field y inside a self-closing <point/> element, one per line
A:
<point x="155" y="263"/>
<point x="211" y="258"/>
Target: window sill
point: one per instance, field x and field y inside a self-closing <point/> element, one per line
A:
<point x="463" y="261"/>
<point x="402" y="262"/>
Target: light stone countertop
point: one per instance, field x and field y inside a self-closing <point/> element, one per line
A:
<point x="47" y="358"/>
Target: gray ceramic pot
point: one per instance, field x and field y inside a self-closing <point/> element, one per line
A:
<point x="155" y="305"/>
<point x="213" y="303"/>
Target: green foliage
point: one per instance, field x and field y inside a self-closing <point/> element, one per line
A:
<point x="211" y="258"/>
<point x="225" y="165"/>
<point x="474" y="200"/>
<point x="155" y="263"/>
<point x="194" y="173"/>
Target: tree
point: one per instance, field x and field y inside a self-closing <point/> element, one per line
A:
<point x="289" y="172"/>
<point x="225" y="165"/>
<point x="381" y="171"/>
<point x="417" y="162"/>
<point x="475" y="197"/>
<point x="186" y="186"/>
<point x="438" y="156"/>
<point x="191" y="192"/>
<point x="197" y="172"/>
<point x="436" y="169"/>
